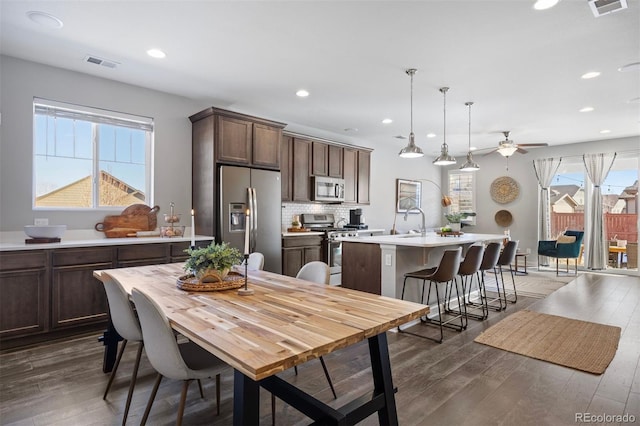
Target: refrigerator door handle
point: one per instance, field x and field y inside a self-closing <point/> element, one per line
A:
<point x="254" y="220"/>
<point x="250" y="217"/>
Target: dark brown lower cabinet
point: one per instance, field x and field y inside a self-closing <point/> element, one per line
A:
<point x="296" y="251"/>
<point x="361" y="266"/>
<point x="24" y="294"/>
<point x="49" y="293"/>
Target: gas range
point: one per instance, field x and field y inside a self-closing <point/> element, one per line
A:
<point x="325" y="223"/>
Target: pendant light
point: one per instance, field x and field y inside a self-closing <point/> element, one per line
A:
<point x="469" y="165"/>
<point x="444" y="159"/>
<point x="411" y="150"/>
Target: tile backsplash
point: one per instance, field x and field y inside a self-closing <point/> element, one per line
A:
<point x="291" y="209"/>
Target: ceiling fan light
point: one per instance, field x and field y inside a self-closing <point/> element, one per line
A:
<point x="507" y="150"/>
<point x="411" y="150"/>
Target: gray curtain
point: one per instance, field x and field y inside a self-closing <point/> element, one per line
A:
<point x="545" y="169"/>
<point x="597" y="166"/>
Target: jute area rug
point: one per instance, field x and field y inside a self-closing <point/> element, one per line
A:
<point x="534" y="284"/>
<point x="582" y="345"/>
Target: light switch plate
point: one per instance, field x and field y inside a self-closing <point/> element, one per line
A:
<point x="41" y="221"/>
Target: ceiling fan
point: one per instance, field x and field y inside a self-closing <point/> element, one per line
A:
<point x="507" y="147"/>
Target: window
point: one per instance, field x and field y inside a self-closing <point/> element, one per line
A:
<point x="462" y="188"/>
<point x="87" y="158"/>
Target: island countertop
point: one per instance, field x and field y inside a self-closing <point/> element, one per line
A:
<point x="431" y="239"/>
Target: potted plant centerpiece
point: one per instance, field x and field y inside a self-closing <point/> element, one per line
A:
<point x="212" y="263"/>
<point x="455" y="219"/>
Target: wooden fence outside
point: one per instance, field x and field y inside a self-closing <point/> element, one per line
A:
<point x="617" y="226"/>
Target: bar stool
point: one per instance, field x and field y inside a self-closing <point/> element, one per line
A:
<point x="507" y="257"/>
<point x="489" y="261"/>
<point x="445" y="273"/>
<point x="469" y="268"/>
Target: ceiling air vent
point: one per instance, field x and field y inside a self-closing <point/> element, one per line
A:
<point x="604" y="7"/>
<point x="99" y="61"/>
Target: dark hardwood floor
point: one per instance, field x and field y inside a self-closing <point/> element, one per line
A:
<point x="458" y="382"/>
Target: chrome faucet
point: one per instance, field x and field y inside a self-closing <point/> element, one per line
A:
<point x="423" y="229"/>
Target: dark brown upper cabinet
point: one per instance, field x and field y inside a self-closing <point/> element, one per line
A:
<point x="335" y="161"/>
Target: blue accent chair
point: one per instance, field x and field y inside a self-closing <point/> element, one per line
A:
<point x="560" y="250"/>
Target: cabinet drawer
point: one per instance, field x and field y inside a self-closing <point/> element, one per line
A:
<point x="311" y="240"/>
<point x="82" y="256"/>
<point x="23" y="260"/>
<point x="177" y="249"/>
<point x="142" y="251"/>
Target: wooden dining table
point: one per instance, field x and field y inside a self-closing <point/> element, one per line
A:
<point x="284" y="323"/>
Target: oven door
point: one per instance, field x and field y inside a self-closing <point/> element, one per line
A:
<point x="334" y="256"/>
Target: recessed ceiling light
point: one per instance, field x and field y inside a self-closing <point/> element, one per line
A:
<point x="431" y="135"/>
<point x="387" y="121"/>
<point x="590" y="74"/>
<point x="635" y="66"/>
<point x="302" y="93"/>
<point x="605" y="131"/>
<point x="586" y="109"/>
<point x="544" y="4"/>
<point x="156" y="53"/>
<point x="45" y="19"/>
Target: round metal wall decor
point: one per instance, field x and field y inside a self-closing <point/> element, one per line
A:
<point x="503" y="218"/>
<point x="504" y="190"/>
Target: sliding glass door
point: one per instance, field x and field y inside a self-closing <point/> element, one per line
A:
<point x="570" y="189"/>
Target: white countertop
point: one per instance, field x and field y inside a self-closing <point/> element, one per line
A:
<point x="431" y="239"/>
<point x="85" y="238"/>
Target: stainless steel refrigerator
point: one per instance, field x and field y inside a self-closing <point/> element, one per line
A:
<point x="242" y="188"/>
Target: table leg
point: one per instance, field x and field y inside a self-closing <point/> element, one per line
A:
<point x="246" y="400"/>
<point x="109" y="339"/>
<point x="382" y="379"/>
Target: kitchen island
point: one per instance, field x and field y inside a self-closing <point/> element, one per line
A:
<point x="377" y="264"/>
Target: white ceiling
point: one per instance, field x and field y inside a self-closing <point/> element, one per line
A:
<point x="520" y="66"/>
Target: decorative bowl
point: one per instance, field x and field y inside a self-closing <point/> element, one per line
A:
<point x="45" y="231"/>
<point x="172" y="231"/>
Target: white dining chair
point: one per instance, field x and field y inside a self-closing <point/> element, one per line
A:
<point x="256" y="261"/>
<point x="126" y="324"/>
<point x="185" y="361"/>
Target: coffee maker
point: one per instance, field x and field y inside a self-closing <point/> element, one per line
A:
<point x="356" y="219"/>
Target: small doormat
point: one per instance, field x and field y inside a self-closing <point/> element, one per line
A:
<point x="582" y="345"/>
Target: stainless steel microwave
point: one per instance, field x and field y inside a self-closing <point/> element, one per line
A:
<point x="327" y="189"/>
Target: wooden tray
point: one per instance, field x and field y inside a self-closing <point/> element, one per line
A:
<point x="190" y="283"/>
<point x="450" y="233"/>
<point x="298" y="229"/>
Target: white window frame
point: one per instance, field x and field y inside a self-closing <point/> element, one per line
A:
<point x="453" y="179"/>
<point x="96" y="117"/>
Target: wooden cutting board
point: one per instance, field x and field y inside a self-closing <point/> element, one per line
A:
<point x="143" y="210"/>
<point x="132" y="223"/>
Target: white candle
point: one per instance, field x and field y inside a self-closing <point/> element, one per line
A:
<point x="193" y="228"/>
<point x="246" y="233"/>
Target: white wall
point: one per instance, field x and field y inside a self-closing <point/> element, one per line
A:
<point x="21" y="81"/>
